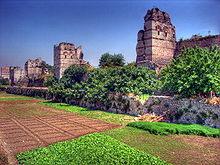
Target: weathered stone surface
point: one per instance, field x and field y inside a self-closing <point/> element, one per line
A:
<point x="34" y="68"/>
<point x="65" y="55"/>
<point x="5" y="72"/>
<point x="156" y="43"/>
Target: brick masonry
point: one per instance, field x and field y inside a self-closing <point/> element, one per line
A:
<point x="156" y="44"/>
<point x="65" y="55"/>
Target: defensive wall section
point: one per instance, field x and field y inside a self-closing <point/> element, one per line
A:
<point x="203" y="42"/>
<point x="174" y="110"/>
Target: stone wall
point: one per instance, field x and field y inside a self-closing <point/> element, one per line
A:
<point x="185" y="111"/>
<point x="32" y="92"/>
<point x="5" y="72"/>
<point x="156" y="43"/>
<point x="34" y="68"/>
<point x="202" y="42"/>
<point x="17" y="75"/>
<point x="65" y="55"/>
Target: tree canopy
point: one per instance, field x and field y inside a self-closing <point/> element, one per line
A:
<point x="195" y="71"/>
<point x="108" y="60"/>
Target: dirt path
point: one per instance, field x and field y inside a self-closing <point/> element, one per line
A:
<point x="18" y="134"/>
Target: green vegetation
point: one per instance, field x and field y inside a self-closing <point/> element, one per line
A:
<point x="169" y="148"/>
<point x="101" y="82"/>
<point x="195" y="71"/>
<point x="144" y="96"/>
<point x="170" y="128"/>
<point x="4" y="82"/>
<point x="108" y="60"/>
<point x="15" y="98"/>
<point x="89" y="149"/>
<point x="74" y="74"/>
<point x="96" y="114"/>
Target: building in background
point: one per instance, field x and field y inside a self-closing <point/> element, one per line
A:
<point x="156" y="44"/>
<point x="5" y="72"/>
<point x="65" y="55"/>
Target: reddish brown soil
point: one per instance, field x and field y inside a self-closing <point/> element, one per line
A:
<point x="18" y="134"/>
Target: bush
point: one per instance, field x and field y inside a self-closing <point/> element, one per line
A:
<point x="108" y="60"/>
<point x="4" y="81"/>
<point x="89" y="149"/>
<point x="195" y="71"/>
<point x="170" y="128"/>
<point x="101" y="82"/>
<point x="74" y="74"/>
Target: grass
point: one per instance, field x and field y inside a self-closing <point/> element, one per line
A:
<point x="171" y="128"/>
<point x="169" y="148"/>
<point x="121" y="119"/>
<point x="144" y="96"/>
<point x="90" y="149"/>
<point x="16" y="98"/>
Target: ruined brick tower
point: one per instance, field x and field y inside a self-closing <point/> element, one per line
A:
<point x="157" y="42"/>
<point x="65" y="55"/>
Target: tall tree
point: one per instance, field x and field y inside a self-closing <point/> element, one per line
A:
<point x="108" y="60"/>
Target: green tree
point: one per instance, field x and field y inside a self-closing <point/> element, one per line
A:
<point x="49" y="67"/>
<point x="195" y="71"/>
<point x="4" y="81"/>
<point x="74" y="74"/>
<point x="108" y="60"/>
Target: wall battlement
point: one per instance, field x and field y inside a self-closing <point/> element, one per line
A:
<point x="156" y="44"/>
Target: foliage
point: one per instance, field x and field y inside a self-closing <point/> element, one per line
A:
<point x="73" y="74"/>
<point x="195" y="71"/>
<point x="108" y="60"/>
<point x="50" y="81"/>
<point x="4" y="81"/>
<point x="101" y="82"/>
<point x="170" y="128"/>
<point x="17" y="98"/>
<point x="49" y="67"/>
<point x="95" y="114"/>
<point x="89" y="149"/>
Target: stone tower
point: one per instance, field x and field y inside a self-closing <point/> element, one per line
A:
<point x="34" y="68"/>
<point x="157" y="42"/>
<point x="65" y="55"/>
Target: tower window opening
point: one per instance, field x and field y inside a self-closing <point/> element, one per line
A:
<point x="158" y="32"/>
<point x="65" y="56"/>
<point x="165" y="34"/>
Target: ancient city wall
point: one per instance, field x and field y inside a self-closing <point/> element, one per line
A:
<point x="186" y="111"/>
<point x="203" y="42"/>
<point x="32" y="92"/>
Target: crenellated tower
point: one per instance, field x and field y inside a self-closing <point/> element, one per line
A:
<point x="156" y="44"/>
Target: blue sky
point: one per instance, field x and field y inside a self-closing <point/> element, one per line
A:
<point x="30" y="28"/>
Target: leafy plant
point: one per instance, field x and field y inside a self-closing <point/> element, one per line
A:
<point x="195" y="71"/>
<point x="170" y="128"/>
<point x="89" y="149"/>
<point x="108" y="60"/>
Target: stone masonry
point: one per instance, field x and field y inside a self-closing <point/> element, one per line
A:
<point x="34" y="68"/>
<point x="65" y="55"/>
<point x="16" y="75"/>
<point x="5" y="72"/>
<point x="157" y="42"/>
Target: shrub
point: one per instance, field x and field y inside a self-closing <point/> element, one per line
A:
<point x="89" y="149"/>
<point x="108" y="60"/>
<point x="101" y="82"/>
<point x="195" y="71"/>
<point x="170" y="128"/>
